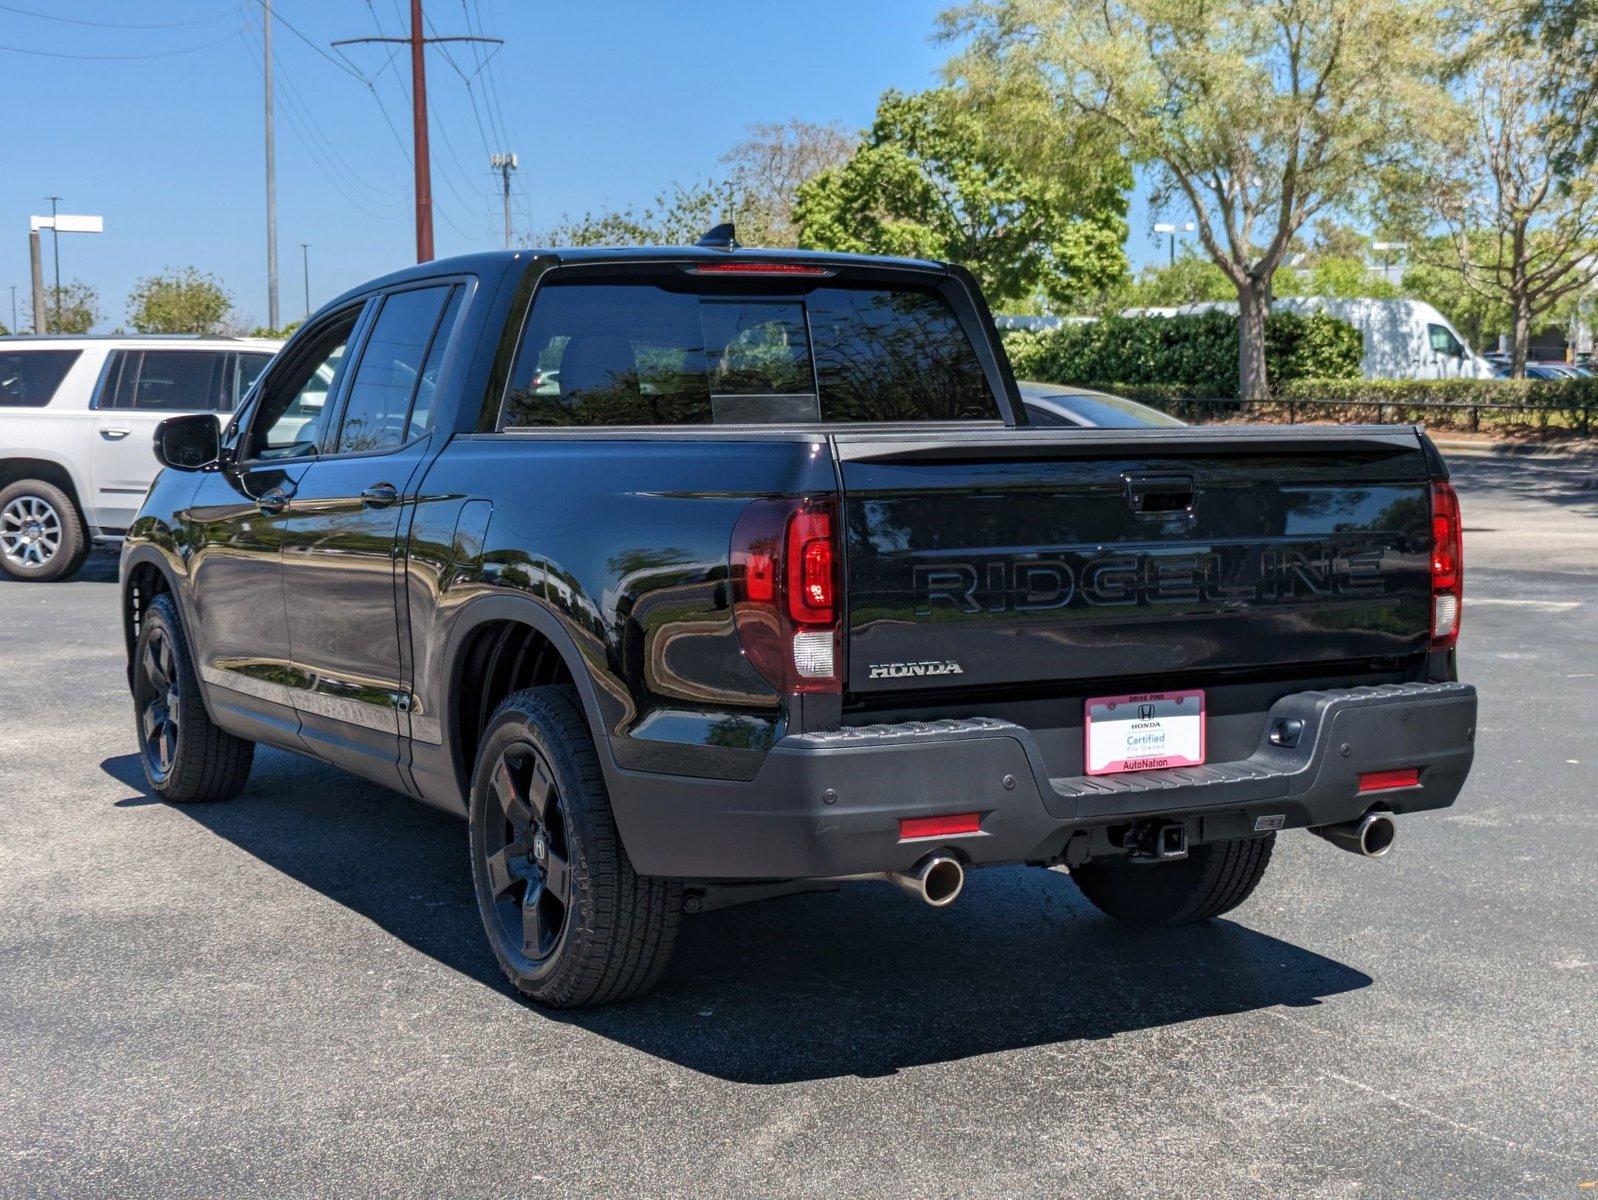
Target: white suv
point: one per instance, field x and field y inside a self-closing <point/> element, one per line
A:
<point x="77" y="425"/>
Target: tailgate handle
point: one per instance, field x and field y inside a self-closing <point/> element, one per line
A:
<point x="1157" y="495"/>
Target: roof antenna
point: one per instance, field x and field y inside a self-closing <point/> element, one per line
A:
<point x="720" y="237"/>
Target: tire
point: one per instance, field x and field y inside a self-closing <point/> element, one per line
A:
<point x="42" y="538"/>
<point x="570" y="921"/>
<point x="1213" y="879"/>
<point x="187" y="759"/>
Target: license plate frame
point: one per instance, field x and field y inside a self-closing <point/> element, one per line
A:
<point x="1144" y="731"/>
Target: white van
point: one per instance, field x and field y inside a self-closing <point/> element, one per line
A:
<point x="77" y="433"/>
<point x="1404" y="339"/>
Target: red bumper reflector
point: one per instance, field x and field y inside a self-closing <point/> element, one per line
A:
<point x="1380" y="781"/>
<point x="926" y="827"/>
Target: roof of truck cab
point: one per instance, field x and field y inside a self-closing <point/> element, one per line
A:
<point x="495" y="262"/>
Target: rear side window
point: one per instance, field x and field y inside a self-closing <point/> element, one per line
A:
<point x="29" y="378"/>
<point x="170" y="381"/>
<point x="247" y="372"/>
<point x="377" y="415"/>
<point x="673" y="353"/>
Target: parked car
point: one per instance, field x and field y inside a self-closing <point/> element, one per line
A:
<point x="1051" y="405"/>
<point x="689" y="576"/>
<point x="1546" y="371"/>
<point x="77" y="419"/>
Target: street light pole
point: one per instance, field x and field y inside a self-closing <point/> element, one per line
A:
<point x="305" y="259"/>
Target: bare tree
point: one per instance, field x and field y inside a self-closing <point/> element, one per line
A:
<point x="768" y="168"/>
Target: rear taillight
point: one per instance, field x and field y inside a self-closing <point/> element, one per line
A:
<point x="1447" y="566"/>
<point x="785" y="594"/>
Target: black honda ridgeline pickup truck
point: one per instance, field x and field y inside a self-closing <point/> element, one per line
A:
<point x="703" y="574"/>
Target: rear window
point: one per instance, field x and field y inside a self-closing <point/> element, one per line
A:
<point x="671" y="353"/>
<point x="170" y="381"/>
<point x="29" y="378"/>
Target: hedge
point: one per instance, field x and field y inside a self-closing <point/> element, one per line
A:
<point x="1195" y="354"/>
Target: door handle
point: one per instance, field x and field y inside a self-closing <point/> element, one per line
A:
<point x="380" y="495"/>
<point x="273" y="502"/>
<point x="114" y="435"/>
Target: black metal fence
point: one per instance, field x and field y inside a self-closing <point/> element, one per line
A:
<point x="1452" y="414"/>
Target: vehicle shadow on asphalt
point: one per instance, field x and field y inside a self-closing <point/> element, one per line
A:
<point x="1569" y="484"/>
<point x="861" y="982"/>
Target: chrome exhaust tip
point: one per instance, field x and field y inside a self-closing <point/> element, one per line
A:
<point x="1370" y="837"/>
<point x="936" y="880"/>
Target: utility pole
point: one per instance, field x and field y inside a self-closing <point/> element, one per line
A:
<point x="504" y="164"/>
<point x="13" y="308"/>
<point x="419" y="153"/>
<point x="55" y="246"/>
<point x="271" y="178"/>
<point x="419" y="156"/>
<point x="305" y="259"/>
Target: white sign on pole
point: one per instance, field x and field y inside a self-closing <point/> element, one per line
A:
<point x="67" y="223"/>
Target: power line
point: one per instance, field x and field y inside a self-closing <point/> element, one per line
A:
<point x="307" y="140"/>
<point x="421" y="159"/>
<point x="117" y="57"/>
<point x="486" y="71"/>
<point x="283" y="21"/>
<point x="43" y="16"/>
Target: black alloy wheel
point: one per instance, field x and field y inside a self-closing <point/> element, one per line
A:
<point x="159" y="703"/>
<point x="524" y="852"/>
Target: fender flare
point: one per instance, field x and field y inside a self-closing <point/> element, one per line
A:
<point x="148" y="554"/>
<point x="510" y="607"/>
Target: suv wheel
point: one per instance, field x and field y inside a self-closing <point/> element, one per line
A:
<point x="41" y="534"/>
<point x="1213" y="879"/>
<point x="187" y="759"/>
<point x="571" y="923"/>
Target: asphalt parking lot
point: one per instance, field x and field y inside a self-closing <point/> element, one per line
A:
<point x="290" y="993"/>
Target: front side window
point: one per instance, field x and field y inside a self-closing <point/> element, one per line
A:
<point x="29" y="378"/>
<point x="293" y="412"/>
<point x="687" y="352"/>
<point x="377" y="414"/>
<point x="1444" y="342"/>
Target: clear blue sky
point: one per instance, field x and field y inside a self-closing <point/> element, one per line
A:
<point x="607" y="103"/>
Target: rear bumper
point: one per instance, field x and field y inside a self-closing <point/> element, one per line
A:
<point x="829" y="804"/>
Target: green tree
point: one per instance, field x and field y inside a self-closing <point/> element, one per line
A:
<point x="1347" y="278"/>
<point x="928" y="182"/>
<point x="281" y="335"/>
<point x="1567" y="31"/>
<point x="78" y="309"/>
<point x="1507" y="183"/>
<point x="1188" y="280"/>
<point x="179" y="301"/>
<point x="1258" y="115"/>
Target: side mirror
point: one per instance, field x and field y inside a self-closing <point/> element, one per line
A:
<point x="191" y="442"/>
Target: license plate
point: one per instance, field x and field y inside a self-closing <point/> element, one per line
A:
<point x="1144" y="732"/>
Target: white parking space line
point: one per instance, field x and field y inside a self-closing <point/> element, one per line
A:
<point x="1539" y="605"/>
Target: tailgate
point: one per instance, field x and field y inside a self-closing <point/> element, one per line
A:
<point x="983" y="557"/>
